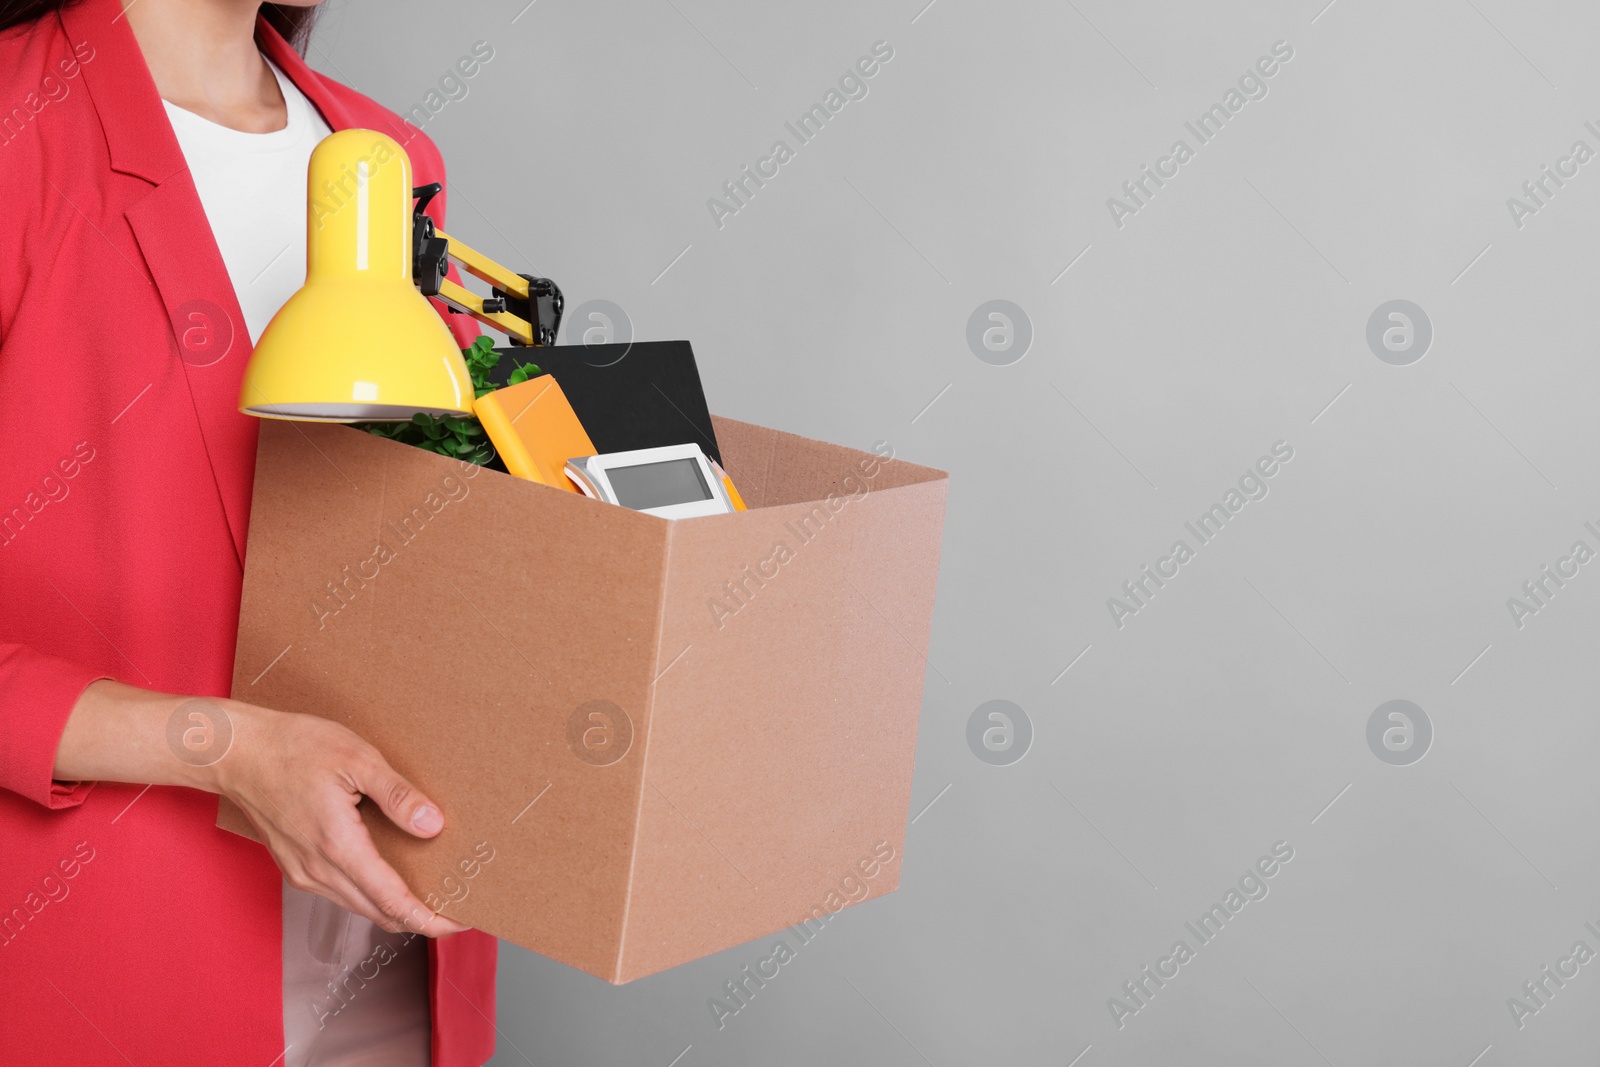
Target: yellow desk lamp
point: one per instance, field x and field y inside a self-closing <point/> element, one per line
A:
<point x="359" y="342"/>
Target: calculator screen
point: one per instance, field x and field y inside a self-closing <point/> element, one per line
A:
<point x="655" y="485"/>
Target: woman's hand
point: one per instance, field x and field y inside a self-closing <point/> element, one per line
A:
<point x="297" y="777"/>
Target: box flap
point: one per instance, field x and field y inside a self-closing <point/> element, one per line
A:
<point x="771" y="467"/>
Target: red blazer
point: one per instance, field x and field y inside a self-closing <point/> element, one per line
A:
<point x="131" y="928"/>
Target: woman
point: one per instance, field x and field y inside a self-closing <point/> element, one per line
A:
<point x="154" y="156"/>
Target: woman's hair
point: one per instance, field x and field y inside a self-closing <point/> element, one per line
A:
<point x="294" y="23"/>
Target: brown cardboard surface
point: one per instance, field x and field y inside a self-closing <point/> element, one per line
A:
<point x="768" y="665"/>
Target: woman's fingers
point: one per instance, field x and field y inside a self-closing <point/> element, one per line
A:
<point x="402" y="802"/>
<point x="299" y="781"/>
<point x="377" y="884"/>
<point x="349" y="900"/>
<point x="346" y="868"/>
<point x="309" y="867"/>
<point x="301" y="784"/>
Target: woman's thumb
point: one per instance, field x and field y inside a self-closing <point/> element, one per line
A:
<point x="401" y="801"/>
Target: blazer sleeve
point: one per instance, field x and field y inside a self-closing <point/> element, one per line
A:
<point x="37" y="691"/>
<point x="37" y="694"/>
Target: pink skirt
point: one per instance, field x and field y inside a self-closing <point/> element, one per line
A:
<point x="354" y="995"/>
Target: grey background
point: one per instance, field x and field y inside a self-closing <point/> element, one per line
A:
<point x="1223" y="317"/>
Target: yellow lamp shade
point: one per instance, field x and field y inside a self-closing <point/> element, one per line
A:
<point x="359" y="342"/>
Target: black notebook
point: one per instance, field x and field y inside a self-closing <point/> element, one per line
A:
<point x="640" y="395"/>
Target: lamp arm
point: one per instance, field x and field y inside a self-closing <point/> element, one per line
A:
<point x="526" y="308"/>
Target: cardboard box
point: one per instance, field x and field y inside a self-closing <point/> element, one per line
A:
<point x="652" y="740"/>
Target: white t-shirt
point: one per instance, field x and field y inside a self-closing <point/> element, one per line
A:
<point x="353" y="995"/>
<point x="253" y="187"/>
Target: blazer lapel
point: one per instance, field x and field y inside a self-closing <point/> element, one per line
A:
<point x="209" y="336"/>
<point x="169" y="223"/>
<point x="175" y="238"/>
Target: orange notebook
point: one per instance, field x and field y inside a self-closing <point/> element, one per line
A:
<point x="535" y="430"/>
<point x="727" y="483"/>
